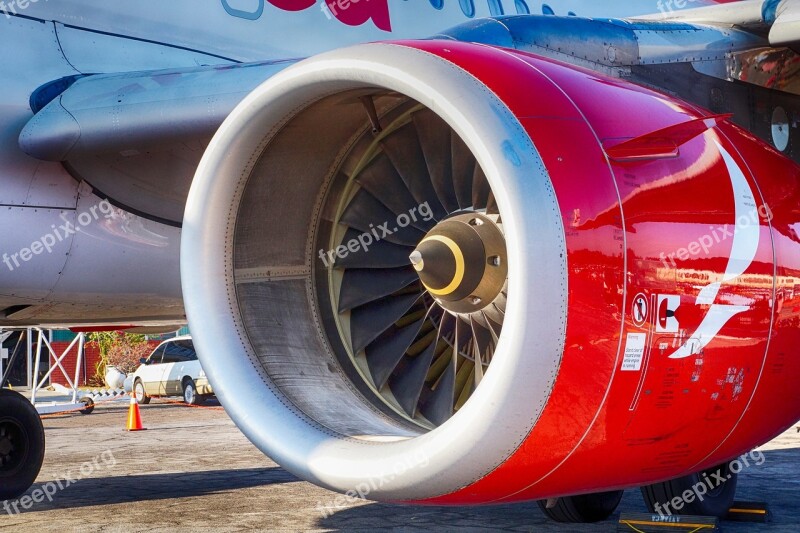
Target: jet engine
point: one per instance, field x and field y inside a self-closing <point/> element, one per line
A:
<point x="452" y="273"/>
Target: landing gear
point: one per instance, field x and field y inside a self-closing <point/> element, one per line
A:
<point x="21" y="444"/>
<point x="582" y="509"/>
<point x="707" y="493"/>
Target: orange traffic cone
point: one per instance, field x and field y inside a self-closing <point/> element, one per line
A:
<point x="134" y="417"/>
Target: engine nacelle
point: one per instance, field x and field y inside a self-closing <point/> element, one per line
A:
<point x="451" y="273"/>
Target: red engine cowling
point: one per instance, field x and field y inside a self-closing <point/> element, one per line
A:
<point x="649" y="317"/>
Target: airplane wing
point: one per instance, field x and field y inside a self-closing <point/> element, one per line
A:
<point x="137" y="137"/>
<point x="777" y="19"/>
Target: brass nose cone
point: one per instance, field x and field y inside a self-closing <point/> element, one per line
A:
<point x="440" y="264"/>
<point x="461" y="262"/>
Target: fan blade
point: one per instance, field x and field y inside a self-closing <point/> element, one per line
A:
<point x="463" y="170"/>
<point x="495" y="333"/>
<point x="407" y="387"/>
<point x="365" y="213"/>
<point x="418" y="312"/>
<point x="483" y="339"/>
<point x="382" y="181"/>
<point x="454" y="331"/>
<point x="385" y="352"/>
<point x="480" y="188"/>
<point x="406" y="155"/>
<point x="495" y="327"/>
<point x="463" y="336"/>
<point x="428" y="334"/>
<point x="465" y="384"/>
<point x="439" y="406"/>
<point x="482" y="342"/>
<point x="463" y="371"/>
<point x="491" y="205"/>
<point x="361" y="286"/>
<point x="440" y="361"/>
<point x="494" y="314"/>
<point x="434" y="136"/>
<point x="380" y="254"/>
<point x="369" y="321"/>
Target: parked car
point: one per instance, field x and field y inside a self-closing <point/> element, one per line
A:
<point x="172" y="370"/>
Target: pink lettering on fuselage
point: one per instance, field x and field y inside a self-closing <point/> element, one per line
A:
<point x="350" y="12"/>
<point x="292" y="5"/>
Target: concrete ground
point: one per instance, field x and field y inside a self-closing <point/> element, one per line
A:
<point x="192" y="470"/>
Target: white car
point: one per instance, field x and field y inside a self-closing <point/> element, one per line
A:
<point x="172" y="370"/>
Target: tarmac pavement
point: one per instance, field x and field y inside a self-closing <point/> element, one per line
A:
<point x="192" y="470"/>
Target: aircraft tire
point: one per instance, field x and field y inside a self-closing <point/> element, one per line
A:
<point x="586" y="508"/>
<point x="22" y="444"/>
<point x="718" y="486"/>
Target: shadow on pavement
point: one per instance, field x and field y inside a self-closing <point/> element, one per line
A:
<point x="518" y="517"/>
<point x="775" y="481"/>
<point x="126" y="489"/>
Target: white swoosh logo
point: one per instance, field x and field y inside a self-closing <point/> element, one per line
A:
<point x="745" y="244"/>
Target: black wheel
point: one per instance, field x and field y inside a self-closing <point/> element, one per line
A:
<point x="190" y="395"/>
<point x="141" y="395"/>
<point x="583" y="509"/>
<point x="89" y="403"/>
<point x="710" y="493"/>
<point x="21" y="444"/>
